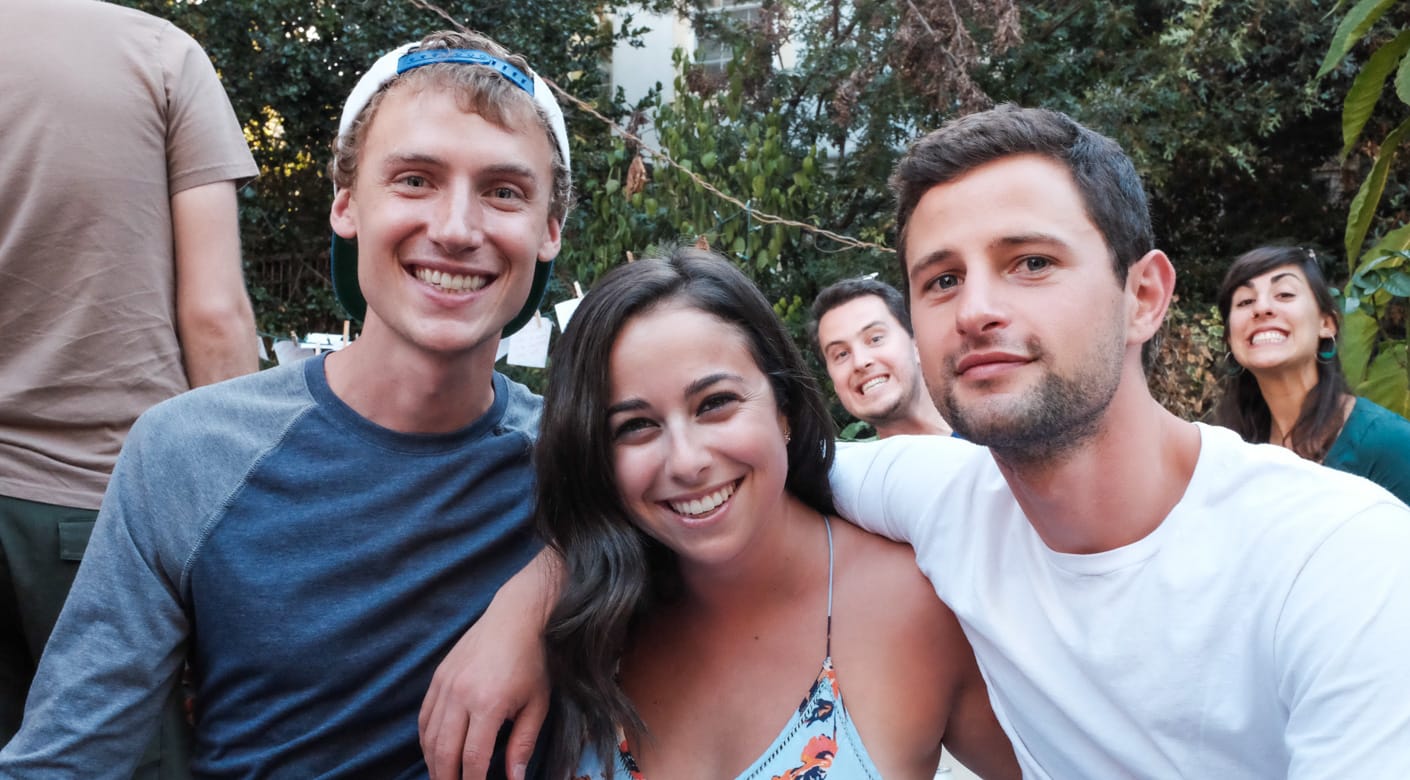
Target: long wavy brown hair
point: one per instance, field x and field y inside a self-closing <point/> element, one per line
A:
<point x="615" y="573"/>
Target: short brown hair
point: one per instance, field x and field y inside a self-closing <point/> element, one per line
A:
<point x="1105" y="177"/>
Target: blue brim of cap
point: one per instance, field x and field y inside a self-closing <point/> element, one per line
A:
<point x="349" y="292"/>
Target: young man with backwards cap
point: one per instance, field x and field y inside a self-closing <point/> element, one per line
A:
<point x="316" y="537"/>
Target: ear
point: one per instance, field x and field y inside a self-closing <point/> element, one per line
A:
<point x="343" y="215"/>
<point x="552" y="240"/>
<point x="1329" y="327"/>
<point x="1150" y="283"/>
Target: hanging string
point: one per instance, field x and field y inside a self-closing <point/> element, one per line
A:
<point x="664" y="157"/>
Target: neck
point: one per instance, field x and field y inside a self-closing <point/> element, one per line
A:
<point x="922" y="419"/>
<point x="1115" y="487"/>
<point x="411" y="391"/>
<point x="1285" y="391"/>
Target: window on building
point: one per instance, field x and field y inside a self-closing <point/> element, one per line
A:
<point x="714" y="52"/>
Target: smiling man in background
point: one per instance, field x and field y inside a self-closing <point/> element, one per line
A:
<point x="863" y="334"/>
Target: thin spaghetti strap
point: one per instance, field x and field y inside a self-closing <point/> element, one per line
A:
<point x="828" y="523"/>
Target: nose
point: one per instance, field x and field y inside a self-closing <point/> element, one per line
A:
<point x="1262" y="304"/>
<point x="458" y="220"/>
<point x="862" y="358"/>
<point x="687" y="458"/>
<point x="978" y="306"/>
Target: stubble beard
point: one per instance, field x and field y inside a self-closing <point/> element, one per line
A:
<point x="1052" y="419"/>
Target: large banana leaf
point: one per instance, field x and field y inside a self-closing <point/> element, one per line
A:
<point x="1357" y="21"/>
<point x="1366" y="90"/>
<point x="1363" y="206"/>
<point x="1387" y="381"/>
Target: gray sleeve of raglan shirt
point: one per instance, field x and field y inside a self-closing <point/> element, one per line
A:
<point x="117" y="649"/>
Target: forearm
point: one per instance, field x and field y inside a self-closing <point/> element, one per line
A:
<point x="218" y="345"/>
<point x="496" y="672"/>
<point x="214" y="320"/>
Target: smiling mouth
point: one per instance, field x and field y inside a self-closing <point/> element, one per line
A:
<point x="1268" y="337"/>
<point x="873" y="383"/>
<point x="706" y="504"/>
<point x="451" y="282"/>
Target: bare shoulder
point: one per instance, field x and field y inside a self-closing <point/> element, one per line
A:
<point x="909" y="675"/>
<point x="874" y="566"/>
<point x="900" y="655"/>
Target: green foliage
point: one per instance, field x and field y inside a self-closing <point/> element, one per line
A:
<point x="1184" y="377"/>
<point x="1373" y="339"/>
<point x="1367" y="88"/>
<point x="1354" y="25"/>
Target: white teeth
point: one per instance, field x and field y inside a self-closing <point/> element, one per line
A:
<point x="700" y="506"/>
<point x="881" y="380"/>
<point x="448" y="281"/>
<point x="1269" y="337"/>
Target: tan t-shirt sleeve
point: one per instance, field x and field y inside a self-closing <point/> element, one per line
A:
<point x="205" y="141"/>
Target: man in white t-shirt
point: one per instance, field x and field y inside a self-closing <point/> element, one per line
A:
<point x="1145" y="596"/>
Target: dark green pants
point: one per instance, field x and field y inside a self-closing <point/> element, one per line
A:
<point x="40" y="549"/>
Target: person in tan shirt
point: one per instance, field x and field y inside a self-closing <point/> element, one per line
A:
<point x="120" y="278"/>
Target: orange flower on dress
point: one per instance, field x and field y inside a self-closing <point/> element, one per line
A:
<point x="817" y="758"/>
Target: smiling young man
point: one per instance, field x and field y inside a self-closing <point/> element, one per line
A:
<point x="863" y="335"/>
<point x="314" y="538"/>
<point x="1146" y="596"/>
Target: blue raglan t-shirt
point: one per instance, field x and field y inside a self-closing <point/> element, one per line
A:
<point x="315" y="567"/>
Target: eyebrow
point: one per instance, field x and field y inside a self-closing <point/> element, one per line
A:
<point x="634" y="404"/>
<point x="863" y="329"/>
<point x="1274" y="279"/>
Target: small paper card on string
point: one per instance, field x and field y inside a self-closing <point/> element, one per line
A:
<point x="529" y="347"/>
<point x="564" y="309"/>
<point x="263" y="352"/>
<point x="288" y="351"/>
<point x="323" y="342"/>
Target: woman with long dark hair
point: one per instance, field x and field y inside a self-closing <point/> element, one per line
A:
<point x="1283" y="382"/>
<point x="682" y="476"/>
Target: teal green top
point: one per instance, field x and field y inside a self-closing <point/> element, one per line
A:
<point x="1375" y="444"/>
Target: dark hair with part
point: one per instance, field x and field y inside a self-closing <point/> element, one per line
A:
<point x="477" y="89"/>
<point x="613" y="572"/>
<point x="1106" y="179"/>
<point x="847" y="290"/>
<point x="1241" y="405"/>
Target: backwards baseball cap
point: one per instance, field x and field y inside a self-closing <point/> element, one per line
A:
<point x="384" y="70"/>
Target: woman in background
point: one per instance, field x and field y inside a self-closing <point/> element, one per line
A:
<point x="682" y="475"/>
<point x="1286" y="386"/>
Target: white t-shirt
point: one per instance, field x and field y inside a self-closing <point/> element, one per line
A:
<point x="1263" y="630"/>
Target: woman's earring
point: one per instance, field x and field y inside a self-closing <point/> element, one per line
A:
<point x="1326" y="355"/>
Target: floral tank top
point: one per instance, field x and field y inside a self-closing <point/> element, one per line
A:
<point x="818" y="743"/>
